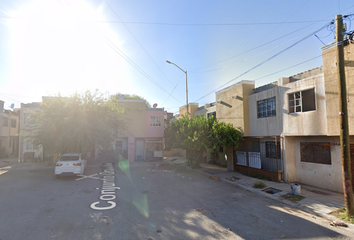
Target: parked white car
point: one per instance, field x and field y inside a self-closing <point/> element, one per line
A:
<point x="70" y="164"/>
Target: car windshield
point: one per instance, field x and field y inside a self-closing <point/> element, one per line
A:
<point x="69" y="158"/>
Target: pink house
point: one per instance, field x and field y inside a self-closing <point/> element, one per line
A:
<point x="142" y="139"/>
<point x="154" y="130"/>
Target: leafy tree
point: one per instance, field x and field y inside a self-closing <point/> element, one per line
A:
<point x="200" y="133"/>
<point x="76" y="123"/>
<point x="224" y="135"/>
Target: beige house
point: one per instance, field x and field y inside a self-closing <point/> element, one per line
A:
<point x="207" y="110"/>
<point x="9" y="132"/>
<point x="294" y="126"/>
<point x="28" y="151"/>
<point x="291" y="126"/>
<point x="192" y="108"/>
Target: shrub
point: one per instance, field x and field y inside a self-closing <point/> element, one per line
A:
<point x="259" y="184"/>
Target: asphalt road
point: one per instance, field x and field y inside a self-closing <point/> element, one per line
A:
<point x="152" y="203"/>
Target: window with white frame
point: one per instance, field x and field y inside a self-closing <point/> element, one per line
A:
<point x="302" y="101"/>
<point x="155" y="121"/>
<point x="266" y="108"/>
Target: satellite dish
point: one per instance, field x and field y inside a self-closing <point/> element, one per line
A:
<point x="12" y="106"/>
<point x="155" y="105"/>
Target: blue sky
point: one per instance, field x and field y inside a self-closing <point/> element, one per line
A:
<point x="65" y="46"/>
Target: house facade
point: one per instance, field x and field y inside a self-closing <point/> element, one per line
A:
<point x="28" y="151"/>
<point x="208" y="110"/>
<point x="9" y="132"/>
<point x="192" y="108"/>
<point x="142" y="138"/>
<point x="293" y="125"/>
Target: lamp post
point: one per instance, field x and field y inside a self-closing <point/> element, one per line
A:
<point x="186" y="84"/>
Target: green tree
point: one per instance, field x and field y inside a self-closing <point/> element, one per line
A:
<point x="224" y="135"/>
<point x="76" y="123"/>
<point x="200" y="133"/>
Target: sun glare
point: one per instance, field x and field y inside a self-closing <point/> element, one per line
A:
<point x="58" y="46"/>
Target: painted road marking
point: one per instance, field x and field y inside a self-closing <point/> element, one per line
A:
<point x="90" y="176"/>
<point x="108" y="190"/>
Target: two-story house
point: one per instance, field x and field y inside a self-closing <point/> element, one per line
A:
<point x="142" y="139"/>
<point x="292" y="129"/>
<point x="28" y="151"/>
<point x="9" y="131"/>
<point x="291" y="126"/>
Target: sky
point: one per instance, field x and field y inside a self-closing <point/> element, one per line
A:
<point x="51" y="47"/>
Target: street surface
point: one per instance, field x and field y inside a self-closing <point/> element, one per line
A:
<point x="153" y="202"/>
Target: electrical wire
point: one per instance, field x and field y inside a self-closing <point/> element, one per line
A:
<point x="209" y="24"/>
<point x="263" y="62"/>
<point x="284" y="69"/>
<point x="130" y="61"/>
<point x="264" y="44"/>
<point x="115" y="13"/>
<point x="220" y="61"/>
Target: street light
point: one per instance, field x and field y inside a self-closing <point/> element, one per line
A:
<point x="186" y="84"/>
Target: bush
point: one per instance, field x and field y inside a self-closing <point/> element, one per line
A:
<point x="259" y="184"/>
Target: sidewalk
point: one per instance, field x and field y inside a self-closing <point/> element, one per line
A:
<point x="4" y="162"/>
<point x="317" y="201"/>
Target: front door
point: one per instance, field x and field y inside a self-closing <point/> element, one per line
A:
<point x="139" y="149"/>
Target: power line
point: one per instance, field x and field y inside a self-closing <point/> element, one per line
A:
<point x="288" y="67"/>
<point x="208" y="24"/>
<point x="251" y="49"/>
<point x="263" y="62"/>
<point x="348" y="16"/>
<point x="130" y="61"/>
<point x="183" y="24"/>
<point x="255" y="55"/>
<point x="115" y="13"/>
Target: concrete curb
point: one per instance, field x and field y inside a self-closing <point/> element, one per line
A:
<point x="277" y="197"/>
<point x="321" y="210"/>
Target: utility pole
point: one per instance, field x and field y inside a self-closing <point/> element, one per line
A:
<point x="343" y="115"/>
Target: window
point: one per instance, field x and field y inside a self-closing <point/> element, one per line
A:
<point x="316" y="152"/>
<point x="272" y="150"/>
<point x="13" y="123"/>
<point x="5" y="121"/>
<point x="155" y="121"/>
<point x="70" y="158"/>
<point x="211" y="114"/>
<point x="302" y="101"/>
<point x="266" y="108"/>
